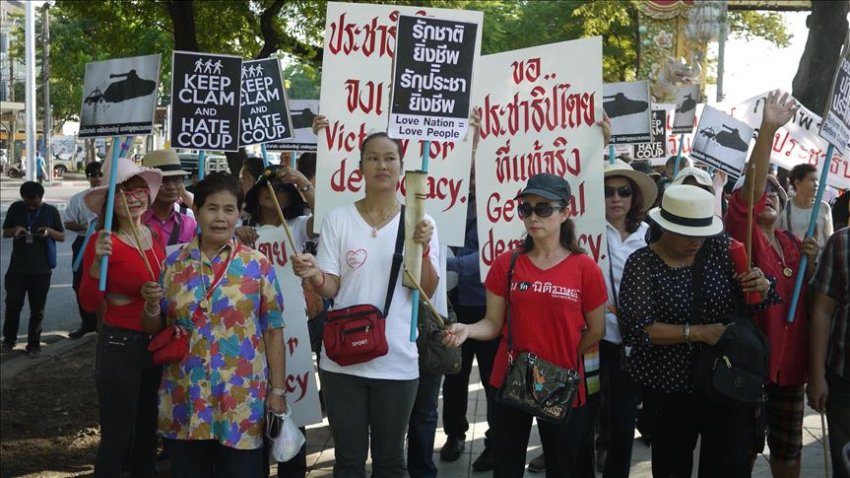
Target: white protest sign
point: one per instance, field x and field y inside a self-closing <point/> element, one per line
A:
<point x="356" y="77"/>
<point x="722" y="142"/>
<point x="559" y="136"/>
<point x="796" y="142"/>
<point x="119" y="97"/>
<point x="432" y="78"/>
<point x="685" y="109"/>
<point x="627" y="104"/>
<point x="302" y="113"/>
<point x="205" y="101"/>
<point x="836" y="126"/>
<point x="265" y="115"/>
<point x="302" y="393"/>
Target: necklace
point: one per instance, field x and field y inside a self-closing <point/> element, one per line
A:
<point x="383" y="220"/>
<point x="777" y="246"/>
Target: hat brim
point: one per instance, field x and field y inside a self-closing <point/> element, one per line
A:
<point x="647" y="186"/>
<point x="542" y="193"/>
<point x="96" y="197"/>
<point x="715" y="228"/>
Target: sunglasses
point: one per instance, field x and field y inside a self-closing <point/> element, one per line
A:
<point x="138" y="193"/>
<point x="274" y="423"/>
<point x="622" y="191"/>
<point x="541" y="209"/>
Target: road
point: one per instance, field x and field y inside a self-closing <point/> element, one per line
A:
<point x="61" y="313"/>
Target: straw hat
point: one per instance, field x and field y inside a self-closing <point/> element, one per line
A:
<point x="165" y="160"/>
<point x="647" y="186"/>
<point x="688" y="211"/>
<point x="95" y="197"/>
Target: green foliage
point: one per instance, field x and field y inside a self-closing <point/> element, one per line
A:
<point x="768" y="25"/>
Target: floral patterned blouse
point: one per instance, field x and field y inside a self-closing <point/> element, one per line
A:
<point x="218" y="392"/>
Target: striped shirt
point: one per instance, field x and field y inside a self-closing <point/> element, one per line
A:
<point x="832" y="278"/>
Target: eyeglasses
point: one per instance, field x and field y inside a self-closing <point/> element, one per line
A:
<point x="138" y="193"/>
<point x="622" y="191"/>
<point x="541" y="209"/>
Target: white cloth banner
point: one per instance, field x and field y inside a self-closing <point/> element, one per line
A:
<point x="302" y="393"/>
<point x="356" y="85"/>
<point x="538" y="116"/>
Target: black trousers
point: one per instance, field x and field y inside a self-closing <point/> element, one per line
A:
<point x="210" y="459"/>
<point x="616" y="430"/>
<point x="34" y="287"/>
<point x="89" y="319"/>
<point x="678" y="419"/>
<point x="456" y="387"/>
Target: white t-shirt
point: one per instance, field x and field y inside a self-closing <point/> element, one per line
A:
<point x="78" y="212"/>
<point x="800" y="222"/>
<point x="362" y="262"/>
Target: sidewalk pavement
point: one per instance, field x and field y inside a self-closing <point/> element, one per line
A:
<point x="320" y="449"/>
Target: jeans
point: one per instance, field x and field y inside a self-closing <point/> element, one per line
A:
<point x="422" y="428"/>
<point x="838" y="415"/>
<point x="18" y="286"/>
<point x="89" y="319"/>
<point x="209" y="458"/>
<point x="617" y="412"/>
<point x="678" y="419"/>
<point x="127" y="383"/>
<point x="562" y="444"/>
<point x="364" y="411"/>
<point x="456" y="387"/>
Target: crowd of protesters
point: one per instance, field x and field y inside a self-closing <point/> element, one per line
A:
<point x="631" y="331"/>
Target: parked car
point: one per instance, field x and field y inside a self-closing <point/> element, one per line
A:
<point x="213" y="162"/>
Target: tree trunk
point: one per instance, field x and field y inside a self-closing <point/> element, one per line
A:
<point x="827" y="30"/>
<point x="182" y="13"/>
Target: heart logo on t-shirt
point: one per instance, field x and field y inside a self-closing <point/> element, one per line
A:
<point x="356" y="258"/>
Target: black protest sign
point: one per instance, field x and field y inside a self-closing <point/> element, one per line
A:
<point x="205" y="101"/>
<point x="657" y="147"/>
<point x="119" y="97"/>
<point x="265" y="114"/>
<point x="432" y="78"/>
<point x="836" y="124"/>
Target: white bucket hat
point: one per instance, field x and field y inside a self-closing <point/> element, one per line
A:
<point x="701" y="177"/>
<point x="95" y="197"/>
<point x="688" y="211"/>
<point x="647" y="186"/>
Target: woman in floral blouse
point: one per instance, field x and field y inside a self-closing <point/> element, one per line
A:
<point x="212" y="404"/>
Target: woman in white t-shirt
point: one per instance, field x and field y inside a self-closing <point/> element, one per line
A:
<point x="369" y="403"/>
<point x="798" y="211"/>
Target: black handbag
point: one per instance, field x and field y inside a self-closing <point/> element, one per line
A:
<point x="532" y="384"/>
<point x="732" y="371"/>
<point x="435" y="357"/>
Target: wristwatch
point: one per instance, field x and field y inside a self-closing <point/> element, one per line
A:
<point x="280" y="392"/>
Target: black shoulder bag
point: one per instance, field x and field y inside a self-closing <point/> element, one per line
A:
<point x="435" y="357"/>
<point x="357" y="333"/>
<point x="532" y="384"/>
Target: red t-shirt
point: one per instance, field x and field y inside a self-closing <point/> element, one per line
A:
<point x="789" y="343"/>
<point x="547" y="309"/>
<point x="127" y="273"/>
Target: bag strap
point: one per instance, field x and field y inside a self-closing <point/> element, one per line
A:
<point x="398" y="257"/>
<point x="175" y="231"/>
<point x="514" y="255"/>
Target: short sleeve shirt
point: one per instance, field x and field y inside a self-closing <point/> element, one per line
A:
<point x="833" y="279"/>
<point x="218" y="392"/>
<point x="31" y="258"/>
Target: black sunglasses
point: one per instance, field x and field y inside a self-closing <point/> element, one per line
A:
<point x="622" y="191"/>
<point x="541" y="209"/>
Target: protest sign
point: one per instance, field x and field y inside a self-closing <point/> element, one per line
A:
<point x="686" y="109"/>
<point x="561" y="138"/>
<point x="432" y="78"/>
<point x="302" y="113"/>
<point x="657" y="148"/>
<point x="722" y="142"/>
<point x="301" y="390"/>
<point x="627" y="104"/>
<point x="265" y="114"/>
<point x="356" y="78"/>
<point x="205" y="101"/>
<point x="836" y="126"/>
<point x="119" y="97"/>
<point x="796" y="142"/>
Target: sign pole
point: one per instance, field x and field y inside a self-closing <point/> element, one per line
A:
<point x="414" y="313"/>
<point x="611" y="158"/>
<point x="813" y="222"/>
<point x="265" y="155"/>
<point x="202" y="165"/>
<point x="110" y="208"/>
<point x="678" y="155"/>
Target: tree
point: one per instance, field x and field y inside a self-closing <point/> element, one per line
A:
<point x="827" y="30"/>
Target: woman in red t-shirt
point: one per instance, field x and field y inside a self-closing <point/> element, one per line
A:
<point x="557" y="299"/>
<point x="127" y="380"/>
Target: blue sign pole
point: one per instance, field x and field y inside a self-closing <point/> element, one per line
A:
<point x="110" y="207"/>
<point x="202" y="160"/>
<point x="611" y="158"/>
<point x="678" y="156"/>
<point x="265" y="157"/>
<point x="414" y="316"/>
<point x="813" y="222"/>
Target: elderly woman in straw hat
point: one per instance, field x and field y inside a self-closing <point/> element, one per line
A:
<point x="657" y="306"/>
<point x="126" y="378"/>
<point x="628" y="195"/>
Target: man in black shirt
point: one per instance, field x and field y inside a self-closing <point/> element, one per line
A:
<point x="34" y="227"/>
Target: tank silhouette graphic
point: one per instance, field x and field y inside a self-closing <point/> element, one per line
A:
<point x="130" y="87"/>
<point x="302" y="119"/>
<point x="728" y="136"/>
<point x="620" y="105"/>
<point x="687" y="104"/>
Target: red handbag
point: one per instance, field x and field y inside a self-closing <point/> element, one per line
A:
<point x="357" y="334"/>
<point x="170" y="345"/>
